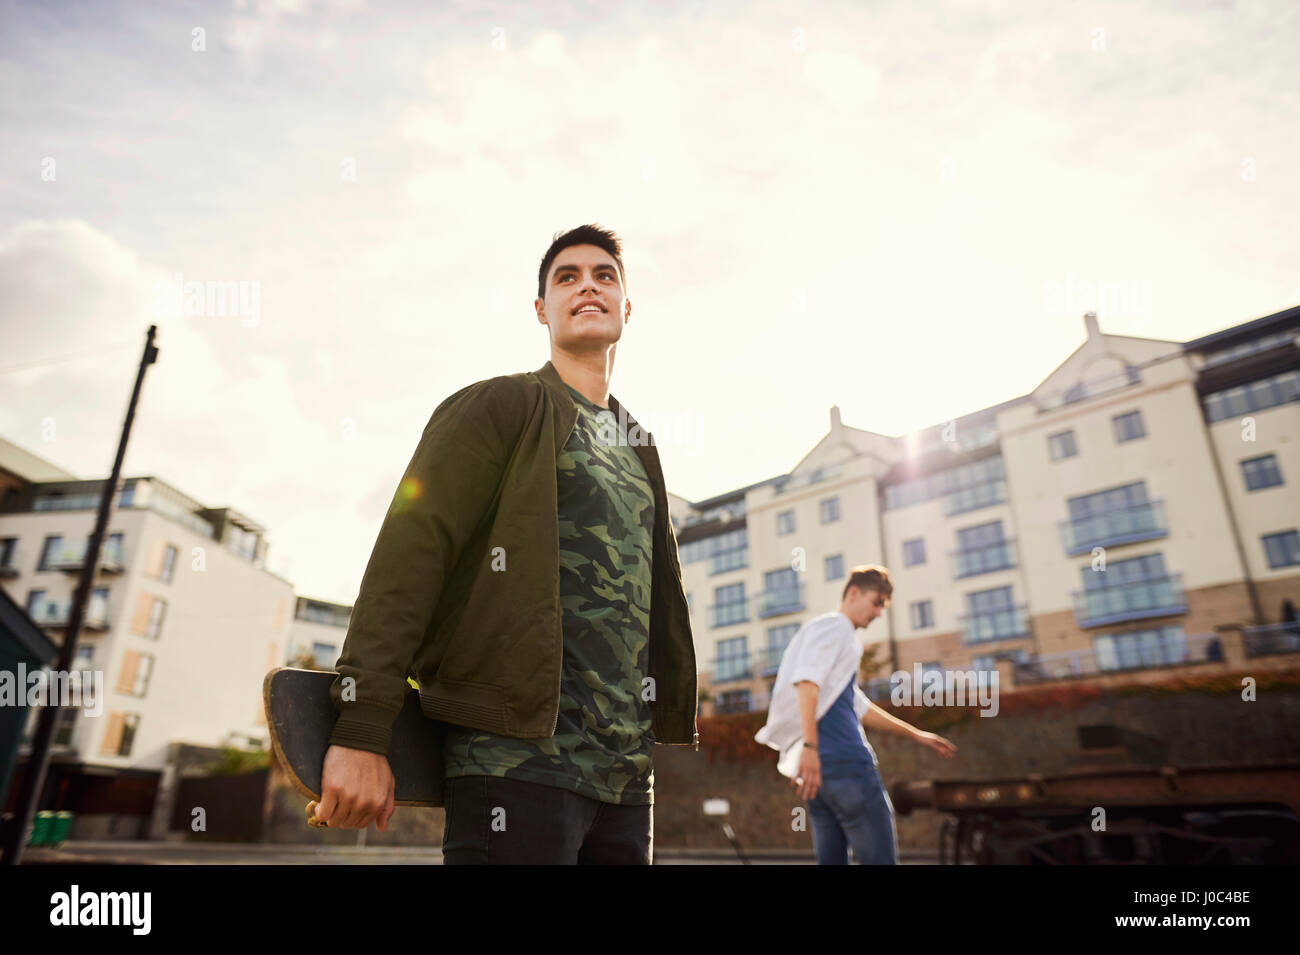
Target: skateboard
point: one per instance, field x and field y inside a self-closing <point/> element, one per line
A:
<point x="300" y="716"/>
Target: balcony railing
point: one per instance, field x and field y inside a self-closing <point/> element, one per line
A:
<point x="1153" y="654"/>
<point x="726" y="669"/>
<point x="70" y="558"/>
<point x="1002" y="624"/>
<point x="1271" y="638"/>
<point x="974" y="497"/>
<point x="1138" y="600"/>
<point x="983" y="560"/>
<point x="735" y="611"/>
<point x="729" y="560"/>
<point x="1126" y="525"/>
<point x="772" y="660"/>
<point x="55" y="614"/>
<point x="773" y="603"/>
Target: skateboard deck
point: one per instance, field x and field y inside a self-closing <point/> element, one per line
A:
<point x="300" y="716"/>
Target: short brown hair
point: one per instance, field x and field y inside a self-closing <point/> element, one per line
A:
<point x="870" y="577"/>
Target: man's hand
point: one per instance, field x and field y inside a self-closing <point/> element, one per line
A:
<point x="808" y="779"/>
<point x="356" y="789"/>
<point x="937" y="743"/>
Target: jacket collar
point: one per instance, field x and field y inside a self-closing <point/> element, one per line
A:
<point x="569" y="411"/>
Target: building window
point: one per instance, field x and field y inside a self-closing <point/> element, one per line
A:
<point x="1061" y="445"/>
<point x="1162" y="646"/>
<point x="733" y="660"/>
<point x="1129" y="427"/>
<point x="830" y="510"/>
<point x="1269" y="392"/>
<point x="922" y="615"/>
<point x="52" y="545"/>
<point x="778" y="638"/>
<point x="914" y="552"/>
<point x="8" y="550"/>
<point x="782" y="592"/>
<point x="35" y="598"/>
<point x="136" y="670"/>
<point x="733" y="701"/>
<point x="785" y="523"/>
<point x="113" y="549"/>
<point x="156" y="611"/>
<point x="129" y="726"/>
<point x="66" y="725"/>
<point x="1283" y="549"/>
<point x="991" y="615"/>
<point x="169" y="564"/>
<point x="1261" y="472"/>
<point x="835" y="567"/>
<point x="324" y="652"/>
<point x="1118" y="515"/>
<point x="729" y="605"/>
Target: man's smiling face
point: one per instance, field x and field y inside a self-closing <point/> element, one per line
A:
<point x="585" y="306"/>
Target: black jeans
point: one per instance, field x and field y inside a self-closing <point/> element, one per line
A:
<point x="496" y="821"/>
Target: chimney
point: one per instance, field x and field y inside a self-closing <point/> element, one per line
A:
<point x="1090" y="323"/>
<point x="835" y="417"/>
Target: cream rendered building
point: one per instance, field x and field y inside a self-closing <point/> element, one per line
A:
<point x="1135" y="513"/>
<point x="184" y="621"/>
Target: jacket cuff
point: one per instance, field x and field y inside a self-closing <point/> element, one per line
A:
<point x="364" y="726"/>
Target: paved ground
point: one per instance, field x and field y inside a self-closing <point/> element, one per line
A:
<point x="182" y="853"/>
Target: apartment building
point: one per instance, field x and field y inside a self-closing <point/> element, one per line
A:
<point x="184" y="619"/>
<point x="1135" y="513"/>
<point x="317" y="632"/>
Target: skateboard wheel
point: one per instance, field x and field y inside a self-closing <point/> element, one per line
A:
<point x="311" y="817"/>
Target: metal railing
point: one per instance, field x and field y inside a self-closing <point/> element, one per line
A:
<point x="773" y="603"/>
<point x="974" y="497"/>
<point x="1005" y="624"/>
<point x="1073" y="664"/>
<point x="1135" y="600"/>
<point x="1271" y="639"/>
<point x="733" y="611"/>
<point x="1124" y="525"/>
<point x="55" y="613"/>
<point x="983" y="560"/>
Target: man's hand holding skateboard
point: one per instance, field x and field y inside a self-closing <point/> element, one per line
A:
<point x="356" y="790"/>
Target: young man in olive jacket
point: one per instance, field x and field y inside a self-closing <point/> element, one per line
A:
<point x="527" y="576"/>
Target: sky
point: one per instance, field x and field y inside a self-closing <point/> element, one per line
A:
<point x="898" y="209"/>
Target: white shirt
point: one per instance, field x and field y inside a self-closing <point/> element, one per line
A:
<point x="826" y="652"/>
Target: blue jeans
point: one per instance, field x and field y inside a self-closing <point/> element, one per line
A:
<point x="851" y="808"/>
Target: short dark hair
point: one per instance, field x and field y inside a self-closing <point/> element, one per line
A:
<point x="870" y="577"/>
<point x="583" y="235"/>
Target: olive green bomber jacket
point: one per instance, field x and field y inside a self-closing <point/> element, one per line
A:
<point x="462" y="587"/>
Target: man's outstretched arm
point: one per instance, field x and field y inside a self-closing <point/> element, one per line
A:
<point x="876" y="718"/>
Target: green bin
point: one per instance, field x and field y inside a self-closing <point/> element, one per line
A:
<point x="59" y="827"/>
<point x="41" y="828"/>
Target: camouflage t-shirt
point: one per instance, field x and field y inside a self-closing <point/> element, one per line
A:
<point x="603" y="741"/>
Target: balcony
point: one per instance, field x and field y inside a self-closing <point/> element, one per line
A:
<point x="1126" y="525"/>
<point x="71" y="558"/>
<point x="54" y="614"/>
<point x="1138" y="600"/>
<point x="729" y="560"/>
<point x="974" y="497"/>
<point x="735" y="611"/>
<point x="773" y="603"/>
<point x="1271" y="639"/>
<point x="772" y="660"/>
<point x="1148" y="655"/>
<point x="1006" y="624"/>
<point x="729" y="669"/>
<point x="983" y="560"/>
